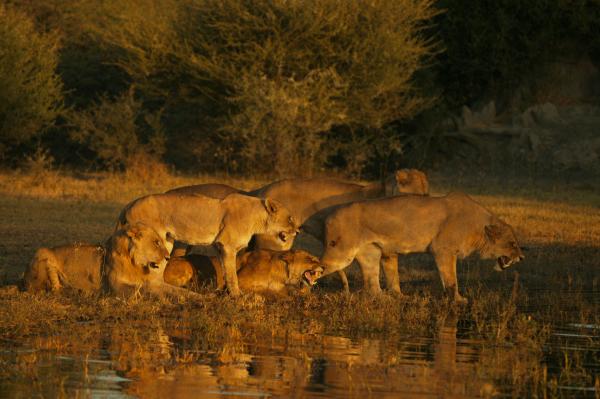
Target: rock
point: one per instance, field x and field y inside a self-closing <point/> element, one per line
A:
<point x="545" y="114"/>
<point x="468" y="119"/>
<point x="584" y="154"/>
<point x="487" y="115"/>
<point x="478" y="120"/>
<point x="526" y="119"/>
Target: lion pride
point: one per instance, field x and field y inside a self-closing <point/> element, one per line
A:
<point x="450" y="228"/>
<point x="227" y="223"/>
<point x="310" y="200"/>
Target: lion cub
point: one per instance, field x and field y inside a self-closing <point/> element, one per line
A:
<point x="259" y="270"/>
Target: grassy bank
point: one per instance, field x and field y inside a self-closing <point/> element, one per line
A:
<point x="511" y="314"/>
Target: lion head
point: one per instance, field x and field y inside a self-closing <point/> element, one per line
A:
<point x="501" y="244"/>
<point x="144" y="246"/>
<point x="280" y="222"/>
<point x="407" y="181"/>
<point x="302" y="267"/>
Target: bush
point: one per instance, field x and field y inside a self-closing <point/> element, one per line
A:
<point x="271" y="77"/>
<point x="30" y="89"/>
<point x="118" y="131"/>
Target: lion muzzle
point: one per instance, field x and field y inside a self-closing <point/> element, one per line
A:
<point x="504" y="262"/>
<point x="310" y="277"/>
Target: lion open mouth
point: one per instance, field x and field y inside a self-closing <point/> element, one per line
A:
<point x="310" y="277"/>
<point x="503" y="263"/>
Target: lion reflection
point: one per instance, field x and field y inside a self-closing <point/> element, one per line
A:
<point x="152" y="360"/>
<point x="295" y="364"/>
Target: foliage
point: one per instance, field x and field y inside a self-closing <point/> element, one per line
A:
<point x="30" y="90"/>
<point x="269" y="74"/>
<point x="118" y="131"/>
<point x="282" y="87"/>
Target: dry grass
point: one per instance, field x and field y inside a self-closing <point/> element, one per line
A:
<point x="512" y="315"/>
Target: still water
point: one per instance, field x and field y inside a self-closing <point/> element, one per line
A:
<point x="149" y="360"/>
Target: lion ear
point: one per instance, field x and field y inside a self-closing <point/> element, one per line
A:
<point x="134" y="232"/>
<point x="287" y="257"/>
<point x="170" y="238"/>
<point x="270" y="205"/>
<point x="493" y="232"/>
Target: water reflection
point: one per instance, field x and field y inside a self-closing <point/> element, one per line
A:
<point x="149" y="360"/>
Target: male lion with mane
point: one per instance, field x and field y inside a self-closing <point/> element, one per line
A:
<point x="135" y="260"/>
<point x="129" y="258"/>
<point x="449" y="227"/>
<point x="227" y="223"/>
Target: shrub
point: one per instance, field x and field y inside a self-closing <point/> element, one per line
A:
<point x="271" y="77"/>
<point x="30" y="89"/>
<point x="118" y="131"/>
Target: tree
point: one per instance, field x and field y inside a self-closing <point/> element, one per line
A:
<point x="30" y="90"/>
<point x="270" y="77"/>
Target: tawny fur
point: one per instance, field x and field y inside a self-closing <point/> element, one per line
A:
<point x="450" y="228"/>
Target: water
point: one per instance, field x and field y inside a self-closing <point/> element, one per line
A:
<point x="149" y="360"/>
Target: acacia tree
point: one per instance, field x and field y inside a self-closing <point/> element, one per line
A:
<point x="30" y="89"/>
<point x="270" y="77"/>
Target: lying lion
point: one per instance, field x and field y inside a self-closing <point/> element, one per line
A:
<point x="76" y="266"/>
<point x="310" y="200"/>
<point x="450" y="227"/>
<point x="227" y="223"/>
<point x="259" y="270"/>
<point x="135" y="261"/>
<point x="132" y="260"/>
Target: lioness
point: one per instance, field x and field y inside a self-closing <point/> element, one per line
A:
<point x="449" y="227"/>
<point x="310" y="200"/>
<point x="227" y="223"/>
<point x="135" y="259"/>
<point x="258" y="270"/>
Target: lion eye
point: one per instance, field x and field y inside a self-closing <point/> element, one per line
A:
<point x="157" y="243"/>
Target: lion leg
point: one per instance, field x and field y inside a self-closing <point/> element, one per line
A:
<point x="344" y="278"/>
<point x="229" y="267"/>
<point x="446" y="264"/>
<point x="53" y="276"/>
<point x="161" y="289"/>
<point x="369" y="258"/>
<point x="389" y="264"/>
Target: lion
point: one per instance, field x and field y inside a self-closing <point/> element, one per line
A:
<point x="76" y="266"/>
<point x="227" y="223"/>
<point x="258" y="270"/>
<point x="310" y="200"/>
<point x="129" y="255"/>
<point x="450" y="228"/>
<point x="135" y="260"/>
